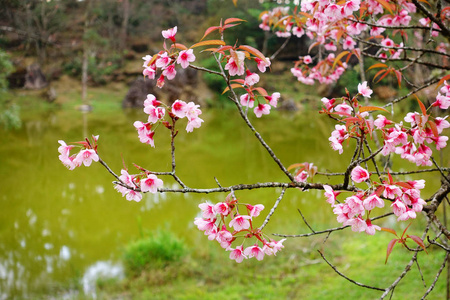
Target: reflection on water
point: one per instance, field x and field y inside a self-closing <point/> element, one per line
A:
<point x="60" y="229"/>
<point x="100" y="270"/>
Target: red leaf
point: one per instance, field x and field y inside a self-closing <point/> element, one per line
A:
<point x="254" y="51"/>
<point x="422" y="107"/>
<point x="389" y="230"/>
<point x="404" y="184"/>
<point x="179" y="46"/>
<point x="209" y="30"/>
<point x="262" y="91"/>
<point x="294" y="166"/>
<point x="418" y="241"/>
<point x="404" y="231"/>
<point x="371" y="108"/>
<point x="446" y="77"/>
<point x="389" y="248"/>
<point x="433" y="128"/>
<point x="391" y="181"/>
<point x="209" y="42"/>
<point x="339" y="57"/>
<point x="231" y="20"/>
<point x="379" y="191"/>
<point x="233" y="86"/>
<point x="380" y="65"/>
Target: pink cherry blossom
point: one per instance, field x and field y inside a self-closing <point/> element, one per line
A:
<point x="240" y="222"/>
<point x="170" y="72"/>
<point x="235" y="65"/>
<point x="246" y="100"/>
<point x="154" y="113"/>
<point x="343" y="108"/>
<point x="151" y="101"/>
<point x="179" y="108"/>
<point x="373" y="201"/>
<point x="170" y="33"/>
<point x="307" y="59"/>
<point x="208" y="210"/>
<point x="163" y="60"/>
<point x="330" y="194"/>
<point x="364" y="90"/>
<point x="358" y="224"/>
<point x="151" y="184"/>
<point x="370" y="228"/>
<point x="381" y="122"/>
<point x="222" y="208"/>
<point x="359" y="174"/>
<point x="273" y="100"/>
<point x="443" y="102"/>
<point x="193" y="123"/>
<point x="251" y="78"/>
<point x="262" y="109"/>
<point x="86" y="157"/>
<point x="255" y="210"/>
<point x="441" y="124"/>
<point x="185" y="57"/>
<point x="149" y="72"/>
<point x="262" y="65"/>
<point x="254" y="251"/>
<point x="302" y="176"/>
<point x="237" y="254"/>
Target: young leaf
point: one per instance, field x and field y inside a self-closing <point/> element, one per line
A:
<point x="422" y="107"/>
<point x="295" y="166"/>
<point x="446" y="77"/>
<point x="254" y="51"/>
<point x="389" y="248"/>
<point x="209" y="30"/>
<point x="233" y="86"/>
<point x="404" y="184"/>
<point x="380" y="65"/>
<point x="371" y="108"/>
<point x="385" y="5"/>
<point x="339" y="57"/>
<point x="418" y="241"/>
<point x="404" y="231"/>
<point x="433" y="128"/>
<point x="391" y="181"/>
<point x="389" y="230"/>
<point x="209" y="42"/>
<point x="231" y="20"/>
<point x="179" y="46"/>
<point x="262" y="91"/>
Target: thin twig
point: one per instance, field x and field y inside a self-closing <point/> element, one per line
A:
<point x="304" y="220"/>
<point x="347" y="278"/>
<point x="274" y="207"/>
<point x="438" y="274"/>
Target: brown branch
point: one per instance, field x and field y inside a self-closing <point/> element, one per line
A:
<point x="445" y="30"/>
<point x="274" y="207"/>
<point x="347" y="278"/>
<point x="438" y="274"/>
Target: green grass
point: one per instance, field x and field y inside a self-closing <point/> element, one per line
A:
<point x="297" y="272"/>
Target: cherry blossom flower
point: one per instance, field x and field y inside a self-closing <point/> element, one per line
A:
<point x="358" y="224"/>
<point x="151" y="184"/>
<point x="254" y="251"/>
<point x="359" y="174"/>
<point x="154" y="113"/>
<point x="185" y="57"/>
<point x="170" y="33"/>
<point x="235" y="66"/>
<point x="370" y="228"/>
<point x="222" y="208"/>
<point x="145" y="133"/>
<point x="240" y="222"/>
<point x="262" y="109"/>
<point x="251" y="78"/>
<point x="237" y="254"/>
<point x="170" y="72"/>
<point x="179" y="108"/>
<point x="364" y="90"/>
<point x="163" y="60"/>
<point x="343" y="108"/>
<point x="151" y="101"/>
<point x="330" y="194"/>
<point x="262" y="65"/>
<point x="373" y="201"/>
<point x="255" y="210"/>
<point x="307" y="59"/>
<point x="86" y="157"/>
<point x="302" y="176"/>
<point x="193" y="123"/>
<point x="273" y="100"/>
<point x="246" y="100"/>
<point x="208" y="210"/>
<point x="443" y="102"/>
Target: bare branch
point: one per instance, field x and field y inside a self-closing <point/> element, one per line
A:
<point x="347" y="278"/>
<point x="274" y="207"/>
<point x="436" y="278"/>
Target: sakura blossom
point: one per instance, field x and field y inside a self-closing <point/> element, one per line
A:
<point x="359" y="174"/>
<point x="273" y="100"/>
<point x="254" y="251"/>
<point x="185" y="57"/>
<point x="240" y="222"/>
<point x="170" y="33"/>
<point x="251" y="78"/>
<point x="262" y="109"/>
<point x="179" y="108"/>
<point x="255" y="210"/>
<point x="151" y="184"/>
<point x="85" y="157"/>
<point x="364" y="90"/>
<point x="237" y="254"/>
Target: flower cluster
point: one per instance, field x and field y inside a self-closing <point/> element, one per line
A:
<point x="407" y="141"/>
<point x="443" y="97"/>
<point x="165" y="60"/>
<point x="336" y="26"/>
<point x="86" y="155"/>
<point x="214" y="224"/>
<point x="404" y="195"/>
<point x="131" y="184"/>
<point x="156" y="111"/>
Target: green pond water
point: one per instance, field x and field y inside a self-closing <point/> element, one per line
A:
<point x="59" y="227"/>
